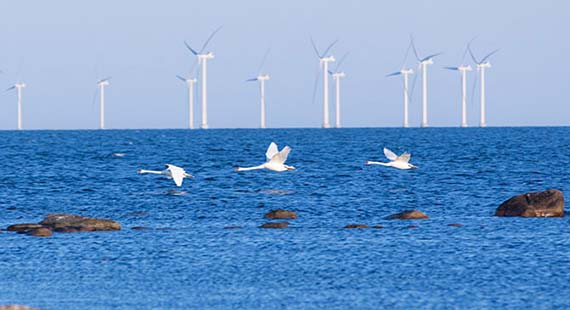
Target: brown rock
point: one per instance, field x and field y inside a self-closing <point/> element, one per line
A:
<point x="232" y="227"/>
<point x="23" y="227"/>
<point x="356" y="226"/>
<point x="408" y="215"/>
<point x="413" y="226"/>
<point x="66" y="230"/>
<point x="281" y="214"/>
<point x="17" y="307"/>
<point x="275" y="225"/>
<point x="40" y="232"/>
<point x="377" y="226"/>
<point x="140" y="228"/>
<point x="83" y="223"/>
<point x="455" y="225"/>
<point x="549" y="203"/>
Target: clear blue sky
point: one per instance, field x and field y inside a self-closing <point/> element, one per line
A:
<point x="55" y="47"/>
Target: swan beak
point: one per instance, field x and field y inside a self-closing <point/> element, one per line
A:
<point x="237" y="169"/>
<point x="367" y="163"/>
<point x="290" y="168"/>
<point x="414" y="167"/>
<point x="139" y="171"/>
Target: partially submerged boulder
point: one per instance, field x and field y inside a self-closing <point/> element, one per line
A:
<point x="281" y="214"/>
<point x="81" y="223"/>
<point x="549" y="203"/>
<point x="275" y="225"/>
<point x="17" y="307"/>
<point x="356" y="226"/>
<point x="40" y="232"/>
<point x="408" y="215"/>
<point x="23" y="227"/>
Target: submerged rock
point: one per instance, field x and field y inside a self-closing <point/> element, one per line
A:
<point x="455" y="225"/>
<point x="82" y="223"/>
<point x="413" y="226"/>
<point x="232" y="227"/>
<point x="23" y="227"/>
<point x="408" y="215"/>
<point x="377" y="226"/>
<point x="356" y="226"/>
<point x="549" y="203"/>
<point x="17" y="307"/>
<point x="275" y="225"/>
<point x="140" y="228"/>
<point x="40" y="232"/>
<point x="281" y="214"/>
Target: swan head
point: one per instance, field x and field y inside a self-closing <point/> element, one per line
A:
<point x="412" y="166"/>
<point x="289" y="167"/>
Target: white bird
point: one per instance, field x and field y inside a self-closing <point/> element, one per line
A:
<point x="172" y="172"/>
<point x="275" y="160"/>
<point x="399" y="162"/>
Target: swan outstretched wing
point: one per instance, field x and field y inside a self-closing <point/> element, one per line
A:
<point x="177" y="174"/>
<point x="404" y="157"/>
<point x="281" y="157"/>
<point x="271" y="151"/>
<point x="390" y="155"/>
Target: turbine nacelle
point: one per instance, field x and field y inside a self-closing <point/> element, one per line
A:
<point x="484" y="65"/>
<point x="428" y="61"/>
<point x="206" y="56"/>
<point x="327" y="59"/>
<point x="263" y="77"/>
<point x="20" y="85"/>
<point x="338" y="75"/>
<point x="406" y="71"/>
<point x="464" y="68"/>
<point x="103" y="83"/>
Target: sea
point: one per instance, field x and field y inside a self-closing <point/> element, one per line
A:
<point x="189" y="259"/>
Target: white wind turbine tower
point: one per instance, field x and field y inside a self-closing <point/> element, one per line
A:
<point x="324" y="63"/>
<point x="337" y="75"/>
<point x="101" y="84"/>
<point x="203" y="59"/>
<point x="481" y="66"/>
<point x="190" y="83"/>
<point x="423" y="63"/>
<point x="261" y="78"/>
<point x="462" y="69"/>
<point x="405" y="73"/>
<point x="18" y="87"/>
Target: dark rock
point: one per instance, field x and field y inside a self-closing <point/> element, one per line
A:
<point x="377" y="226"/>
<point x="275" y="225"/>
<point x="83" y="223"/>
<point x="455" y="225"/>
<point x="356" y="226"/>
<point x="66" y="230"/>
<point x="549" y="203"/>
<point x="232" y="227"/>
<point x="138" y="214"/>
<point x="281" y="214"/>
<point x="23" y="227"/>
<point x="408" y="215"/>
<point x="413" y="226"/>
<point x="40" y="232"/>
<point x="140" y="228"/>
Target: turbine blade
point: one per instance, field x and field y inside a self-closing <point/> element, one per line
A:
<point x="181" y="78"/>
<point x="430" y="56"/>
<point x="330" y="72"/>
<point x="341" y="61"/>
<point x="210" y="38"/>
<point x="103" y="80"/>
<point x="94" y="97"/>
<point x="473" y="89"/>
<point x="471" y="53"/>
<point x="10" y="88"/>
<point x="394" y="74"/>
<point x="263" y="60"/>
<point x="489" y="55"/>
<point x="317" y="78"/>
<point x="329" y="48"/>
<point x="414" y="48"/>
<point x="406" y="55"/>
<point x="190" y="48"/>
<point x="451" y="68"/>
<point x="315" y="48"/>
<point x="467" y="49"/>
<point x="411" y="93"/>
<point x="251" y="80"/>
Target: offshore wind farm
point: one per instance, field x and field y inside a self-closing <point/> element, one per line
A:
<point x="291" y="155"/>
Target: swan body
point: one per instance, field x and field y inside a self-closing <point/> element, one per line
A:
<point x="400" y="162"/>
<point x="172" y="172"/>
<point x="275" y="160"/>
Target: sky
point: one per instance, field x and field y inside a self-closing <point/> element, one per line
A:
<point x="61" y="48"/>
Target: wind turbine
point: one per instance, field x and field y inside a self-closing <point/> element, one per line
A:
<point x="18" y="87"/>
<point x="101" y="84"/>
<point x="203" y="59"/>
<point x="481" y="66"/>
<point x="324" y="63"/>
<point x="423" y="63"/>
<point x="261" y="78"/>
<point x="190" y="83"/>
<point x="463" y="71"/>
<point x="337" y="75"/>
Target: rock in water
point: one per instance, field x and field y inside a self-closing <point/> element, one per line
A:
<point x="40" y="232"/>
<point x="82" y="223"/>
<point x="549" y="203"/>
<point x="17" y="307"/>
<point x="408" y="215"/>
<point x="281" y="214"/>
<point x="275" y="225"/>
<point x="356" y="226"/>
<point x="23" y="227"/>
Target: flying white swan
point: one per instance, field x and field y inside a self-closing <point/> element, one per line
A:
<point x="399" y="162"/>
<point x="275" y="160"/>
<point x="172" y="172"/>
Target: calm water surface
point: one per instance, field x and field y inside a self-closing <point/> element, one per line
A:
<point x="188" y="260"/>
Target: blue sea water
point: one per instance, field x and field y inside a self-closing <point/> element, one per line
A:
<point x="189" y="261"/>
